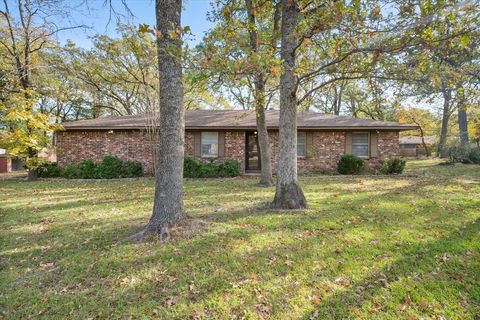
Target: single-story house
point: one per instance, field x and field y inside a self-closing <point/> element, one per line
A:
<point x="231" y="135"/>
<point x="412" y="146"/>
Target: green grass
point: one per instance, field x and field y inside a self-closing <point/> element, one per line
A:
<point x="369" y="247"/>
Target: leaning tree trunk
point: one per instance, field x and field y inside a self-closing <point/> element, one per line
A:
<point x="168" y="202"/>
<point x="422" y="135"/>
<point x="288" y="193"/>
<point x="260" y="104"/>
<point x="445" y="119"/>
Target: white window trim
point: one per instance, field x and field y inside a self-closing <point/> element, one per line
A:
<point x="368" y="144"/>
<point x="305" y="144"/>
<point x="201" y="145"/>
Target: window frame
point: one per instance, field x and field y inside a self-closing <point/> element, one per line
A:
<point x="304" y="133"/>
<point x="368" y="144"/>
<point x="202" y="144"/>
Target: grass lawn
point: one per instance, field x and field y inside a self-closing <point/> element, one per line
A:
<point x="369" y="247"/>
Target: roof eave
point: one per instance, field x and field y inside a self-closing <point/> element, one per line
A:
<point x="392" y="128"/>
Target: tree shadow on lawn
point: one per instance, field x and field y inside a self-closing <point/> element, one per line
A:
<point x="442" y="264"/>
<point x="221" y="259"/>
<point x="220" y="270"/>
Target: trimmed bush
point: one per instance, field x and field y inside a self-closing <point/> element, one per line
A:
<point x="85" y="169"/>
<point x="111" y="167"/>
<point x="457" y="152"/>
<point x="350" y="164"/>
<point x="392" y="166"/>
<point x="49" y="170"/>
<point x="197" y="169"/>
<point x="132" y="169"/>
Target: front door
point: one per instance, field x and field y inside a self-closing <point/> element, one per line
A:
<point x="252" y="152"/>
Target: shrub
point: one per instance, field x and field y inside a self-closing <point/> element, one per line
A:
<point x="392" y="166"/>
<point x="49" y="170"/>
<point x="111" y="167"/>
<point x="474" y="155"/>
<point x="350" y="164"/>
<point x="229" y="168"/>
<point x="458" y="152"/>
<point x="196" y="169"/>
<point x="132" y="169"/>
<point x="85" y="169"/>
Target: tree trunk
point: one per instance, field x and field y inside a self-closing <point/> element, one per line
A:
<point x="288" y="193"/>
<point x="168" y="202"/>
<point x="263" y="141"/>
<point x="422" y="134"/>
<point x="462" y="116"/>
<point x="260" y="105"/>
<point x="447" y="96"/>
<point x="463" y="125"/>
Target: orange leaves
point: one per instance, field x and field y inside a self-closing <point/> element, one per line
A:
<point x="276" y="71"/>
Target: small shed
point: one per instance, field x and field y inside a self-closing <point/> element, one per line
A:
<point x="5" y="163"/>
<point x="412" y="146"/>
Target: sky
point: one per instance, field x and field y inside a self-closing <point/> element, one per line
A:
<point x="95" y="15"/>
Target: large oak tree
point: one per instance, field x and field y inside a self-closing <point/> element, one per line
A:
<point x="168" y="202"/>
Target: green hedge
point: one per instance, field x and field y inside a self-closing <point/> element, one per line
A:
<point x="392" y="166"/>
<point x="350" y="164"/>
<point x="197" y="169"/>
<point x="114" y="167"/>
<point x="111" y="167"/>
<point x="49" y="170"/>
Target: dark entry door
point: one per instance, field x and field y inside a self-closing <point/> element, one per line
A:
<point x="252" y="152"/>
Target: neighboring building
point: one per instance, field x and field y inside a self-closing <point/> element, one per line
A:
<point x="5" y="162"/>
<point x="230" y="135"/>
<point x="412" y="146"/>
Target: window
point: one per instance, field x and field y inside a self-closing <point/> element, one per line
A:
<point x="301" y="144"/>
<point x="360" y="144"/>
<point x="209" y="144"/>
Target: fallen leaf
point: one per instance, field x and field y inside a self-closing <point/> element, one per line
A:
<point x="171" y="301"/>
<point x="423" y="304"/>
<point x="316" y="299"/>
<point x="407" y="303"/>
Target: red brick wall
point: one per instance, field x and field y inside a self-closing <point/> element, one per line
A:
<point x="234" y="147"/>
<point x="328" y="147"/>
<point x="74" y="146"/>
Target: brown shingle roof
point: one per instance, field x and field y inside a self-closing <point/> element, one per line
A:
<point x="239" y="119"/>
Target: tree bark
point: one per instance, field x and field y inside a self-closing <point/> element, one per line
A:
<point x="462" y="116"/>
<point x="463" y="125"/>
<point x="422" y="134"/>
<point x="263" y="141"/>
<point x="447" y="97"/>
<point x="168" y="202"/>
<point x="260" y="105"/>
<point x="288" y="193"/>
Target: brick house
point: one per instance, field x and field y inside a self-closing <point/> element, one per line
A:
<point x="226" y="135"/>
